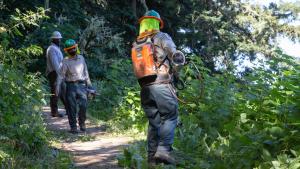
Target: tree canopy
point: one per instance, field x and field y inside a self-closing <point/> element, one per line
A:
<point x="231" y="118"/>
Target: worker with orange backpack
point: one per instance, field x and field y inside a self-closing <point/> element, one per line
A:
<point x="155" y="60"/>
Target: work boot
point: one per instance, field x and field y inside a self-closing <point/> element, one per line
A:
<point x="57" y="115"/>
<point x="164" y="157"/>
<point x="83" y="128"/>
<point x="151" y="161"/>
<point x="73" y="131"/>
<point x="60" y="115"/>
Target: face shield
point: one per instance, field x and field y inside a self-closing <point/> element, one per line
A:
<point x="149" y="24"/>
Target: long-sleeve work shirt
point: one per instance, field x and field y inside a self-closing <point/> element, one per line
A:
<point x="54" y="58"/>
<point x="75" y="69"/>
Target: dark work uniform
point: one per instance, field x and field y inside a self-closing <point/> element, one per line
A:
<point x="74" y="72"/>
<point x="52" y="77"/>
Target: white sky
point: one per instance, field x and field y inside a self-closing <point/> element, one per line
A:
<point x="266" y="2"/>
<point x="289" y="47"/>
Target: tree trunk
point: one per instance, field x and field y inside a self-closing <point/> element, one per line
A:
<point x="46" y="4"/>
<point x="144" y="4"/>
<point x="133" y="5"/>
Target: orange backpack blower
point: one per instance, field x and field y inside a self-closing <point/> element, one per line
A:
<point x="142" y="55"/>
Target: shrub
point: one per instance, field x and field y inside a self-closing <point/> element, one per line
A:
<point x="20" y="103"/>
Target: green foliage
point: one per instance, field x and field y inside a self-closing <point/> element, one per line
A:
<point x="133" y="156"/>
<point x="22" y="57"/>
<point x="101" y="46"/>
<point x="23" y="136"/>
<point x="97" y="38"/>
<point x="20" y="102"/>
<point x="244" y="123"/>
<point x="119" y="101"/>
<point x="21" y="93"/>
<point x="24" y="141"/>
<point x="19" y="55"/>
<point x="129" y="114"/>
<point x="52" y="158"/>
<point x="22" y="20"/>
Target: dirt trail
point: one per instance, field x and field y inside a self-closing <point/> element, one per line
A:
<point x="91" y="150"/>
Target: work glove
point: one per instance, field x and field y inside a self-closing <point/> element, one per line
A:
<point x="58" y="82"/>
<point x="91" y="92"/>
<point x="57" y="89"/>
<point x="178" y="58"/>
<point x="178" y="61"/>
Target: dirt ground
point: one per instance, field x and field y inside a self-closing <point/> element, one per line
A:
<point x="93" y="149"/>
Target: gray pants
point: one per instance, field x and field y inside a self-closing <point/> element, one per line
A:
<point x="76" y="96"/>
<point x="161" y="108"/>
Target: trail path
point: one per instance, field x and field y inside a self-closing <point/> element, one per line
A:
<point x="91" y="150"/>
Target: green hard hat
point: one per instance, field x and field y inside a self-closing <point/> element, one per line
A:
<point x="70" y="43"/>
<point x="152" y="14"/>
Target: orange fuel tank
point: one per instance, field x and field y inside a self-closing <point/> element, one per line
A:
<point x="142" y="56"/>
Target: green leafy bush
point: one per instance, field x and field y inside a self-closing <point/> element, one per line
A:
<point x="24" y="140"/>
<point x="20" y="103"/>
<point x="134" y="156"/>
<point x="119" y="101"/>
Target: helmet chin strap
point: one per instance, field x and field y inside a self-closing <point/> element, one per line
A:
<point x="147" y="33"/>
<point x="72" y="53"/>
<point x="72" y="56"/>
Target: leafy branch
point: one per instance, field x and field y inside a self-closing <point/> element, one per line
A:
<point x="23" y="20"/>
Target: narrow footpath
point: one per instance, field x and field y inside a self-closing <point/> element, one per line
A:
<point x="91" y="150"/>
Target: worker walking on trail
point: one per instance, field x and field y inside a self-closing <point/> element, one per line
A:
<point x="155" y="60"/>
<point x="54" y="58"/>
<point x="75" y="73"/>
